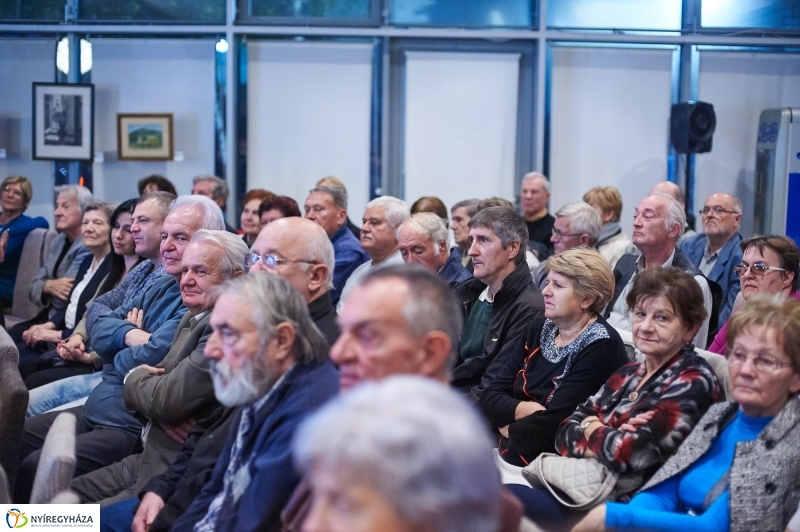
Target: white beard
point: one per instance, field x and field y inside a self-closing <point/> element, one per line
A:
<point x="235" y="387"/>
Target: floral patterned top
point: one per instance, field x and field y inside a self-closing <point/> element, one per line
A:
<point x="679" y="394"/>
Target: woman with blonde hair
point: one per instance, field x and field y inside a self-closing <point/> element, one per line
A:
<point x="613" y="241"/>
<point x="565" y="357"/>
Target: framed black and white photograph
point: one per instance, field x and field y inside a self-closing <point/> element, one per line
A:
<point x="63" y="122"/>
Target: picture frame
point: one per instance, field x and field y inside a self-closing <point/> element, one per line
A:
<point x="63" y="121"/>
<point x="145" y="137"/>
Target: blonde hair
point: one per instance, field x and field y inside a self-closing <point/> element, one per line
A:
<point x="588" y="271"/>
<point x="608" y="199"/>
<point x="24" y="185"/>
<point x="775" y="312"/>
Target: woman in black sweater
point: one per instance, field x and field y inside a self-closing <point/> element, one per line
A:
<point x="565" y="357"/>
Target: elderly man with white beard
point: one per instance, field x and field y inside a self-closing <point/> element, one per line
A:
<point x="270" y="363"/>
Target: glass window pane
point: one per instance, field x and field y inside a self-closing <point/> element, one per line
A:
<point x="514" y="13"/>
<point x="50" y="10"/>
<point x="611" y="14"/>
<point x="205" y="11"/>
<point x="750" y="13"/>
<point x="311" y="8"/>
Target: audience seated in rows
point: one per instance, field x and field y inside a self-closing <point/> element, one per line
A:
<point x="612" y="242"/>
<point x="327" y="207"/>
<point x="674" y="191"/>
<point x="50" y="288"/>
<point x="422" y="239"/>
<point x="498" y="303"/>
<point x="168" y="496"/>
<point x="277" y="207"/>
<point x="576" y="224"/>
<point x="216" y="189"/>
<point x="657" y="225"/>
<point x="716" y="250"/>
<point x="643" y="412"/>
<point x="16" y="194"/>
<point x="770" y="265"/>
<point x="41" y="340"/>
<point x="460" y="215"/>
<point x="141" y="333"/>
<point x="155" y="183"/>
<point x="738" y="469"/>
<point x="564" y="357"/>
<point x="330" y="181"/>
<point x="430" y="204"/>
<point x="177" y="392"/>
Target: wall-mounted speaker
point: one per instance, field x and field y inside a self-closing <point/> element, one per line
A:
<point x="691" y="127"/>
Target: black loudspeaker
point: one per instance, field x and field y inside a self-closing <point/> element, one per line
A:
<point x="691" y="127"/>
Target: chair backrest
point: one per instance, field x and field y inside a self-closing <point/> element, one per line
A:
<point x="57" y="461"/>
<point x="13" y="404"/>
<point x="5" y="491"/>
<point x="717" y="362"/>
<point x="34" y="251"/>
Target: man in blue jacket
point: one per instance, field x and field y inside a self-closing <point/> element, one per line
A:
<point x="716" y="251"/>
<point x="270" y="361"/>
<point x="135" y="334"/>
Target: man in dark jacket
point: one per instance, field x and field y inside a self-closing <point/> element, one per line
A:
<point x="499" y="303"/>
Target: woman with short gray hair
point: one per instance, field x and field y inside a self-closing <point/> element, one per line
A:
<point x="404" y="454"/>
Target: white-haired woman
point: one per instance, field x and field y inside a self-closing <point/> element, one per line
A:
<point x="407" y="454"/>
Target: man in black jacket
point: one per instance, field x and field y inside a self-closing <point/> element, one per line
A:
<point x="498" y="303"/>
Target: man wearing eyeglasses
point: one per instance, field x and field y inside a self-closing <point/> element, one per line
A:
<point x="300" y="251"/>
<point x="717" y="249"/>
<point x="577" y="224"/>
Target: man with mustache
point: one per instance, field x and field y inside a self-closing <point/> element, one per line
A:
<point x="382" y="217"/>
<point x="178" y="390"/>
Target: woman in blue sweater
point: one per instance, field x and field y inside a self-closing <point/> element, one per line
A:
<point x="15" y="195"/>
<point x="739" y="469"/>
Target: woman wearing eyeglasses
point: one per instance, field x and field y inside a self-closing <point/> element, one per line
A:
<point x="769" y="266"/>
<point x="739" y="469"/>
<point x="15" y="195"/>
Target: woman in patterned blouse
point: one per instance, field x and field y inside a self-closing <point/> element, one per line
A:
<point x="646" y="409"/>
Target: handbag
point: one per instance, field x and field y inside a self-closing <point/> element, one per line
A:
<point x="585" y="481"/>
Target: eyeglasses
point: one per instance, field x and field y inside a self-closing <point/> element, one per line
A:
<point x="759" y="268"/>
<point x="269" y="261"/>
<point x="561" y="235"/>
<point x="719" y="211"/>
<point x="766" y="364"/>
<point x="13" y="191"/>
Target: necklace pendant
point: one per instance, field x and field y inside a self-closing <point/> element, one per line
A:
<point x="633" y="396"/>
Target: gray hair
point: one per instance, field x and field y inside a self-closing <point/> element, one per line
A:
<point x="395" y="210"/>
<point x="220" y="189"/>
<point x="318" y="248"/>
<point x="212" y="214"/>
<point x="274" y="301"/>
<point x="430" y="226"/>
<point x="470" y="204"/>
<point x="419" y="444"/>
<point x="506" y="224"/>
<point x="83" y="196"/>
<point x="233" y="246"/>
<point x="674" y="215"/>
<point x="538" y="175"/>
<point x="102" y="206"/>
<point x="337" y="194"/>
<point x="431" y="305"/>
<point x="162" y="199"/>
<point x="582" y="219"/>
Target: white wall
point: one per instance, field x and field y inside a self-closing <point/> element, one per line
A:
<point x="460" y="125"/>
<point x="609" y="122"/>
<point x="308" y="107"/>
<point x="740" y="85"/>
<point x="22" y="62"/>
<point x="153" y="76"/>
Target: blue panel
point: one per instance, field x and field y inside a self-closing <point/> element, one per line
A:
<point x="750" y="14"/>
<point x="793" y="208"/>
<point x="342" y="9"/>
<point x="611" y="14"/>
<point x="474" y="13"/>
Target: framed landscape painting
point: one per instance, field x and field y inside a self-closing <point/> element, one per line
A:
<point x="144" y="137"/>
<point x="63" y="121"/>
